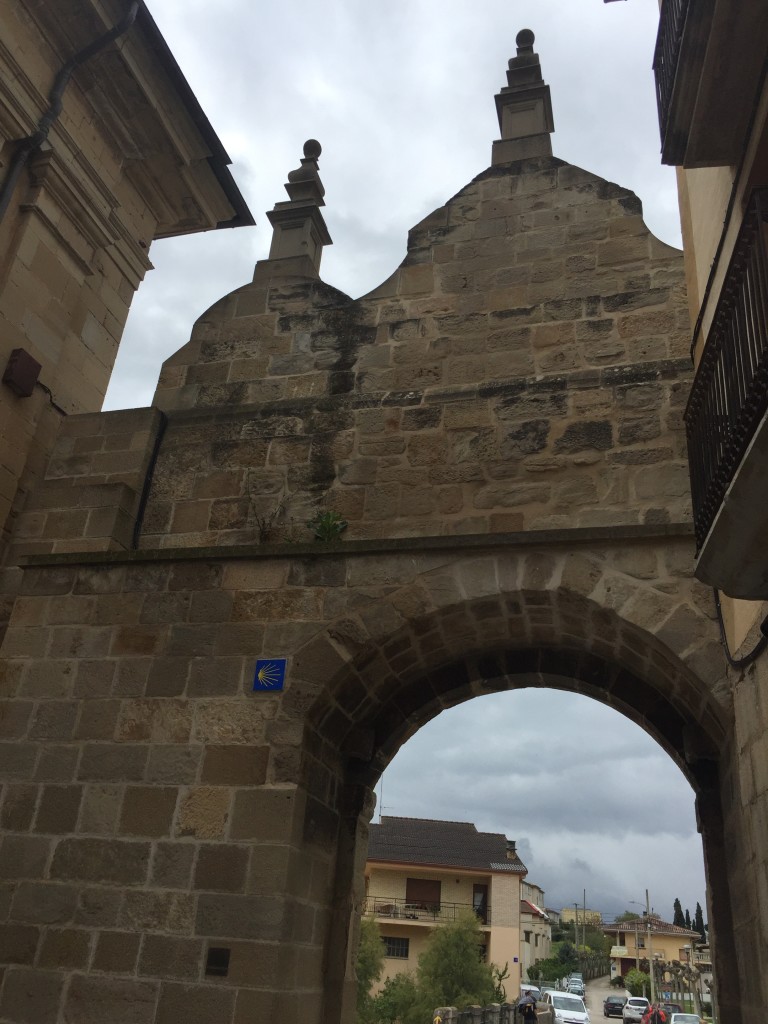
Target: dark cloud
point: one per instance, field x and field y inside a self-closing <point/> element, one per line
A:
<point x="589" y="797"/>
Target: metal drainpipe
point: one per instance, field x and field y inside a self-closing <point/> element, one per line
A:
<point x="29" y="146"/>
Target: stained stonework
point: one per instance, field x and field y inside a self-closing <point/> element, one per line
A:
<point x="500" y="425"/>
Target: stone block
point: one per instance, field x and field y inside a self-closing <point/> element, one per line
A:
<point x="31" y="996"/>
<point x="224" y="722"/>
<point x="221" y="868"/>
<point x="18" y="943"/>
<point x="58" y="809"/>
<point x="116" y="952"/>
<point x="173" y="765"/>
<point x="101" y="808"/>
<point x="65" y="948"/>
<point x="19" y="801"/>
<point x="148" y="810"/>
<point x="203" y="812"/>
<point x="57" y="763"/>
<point x="259" y="918"/>
<point x="44" y="903"/>
<point x="253" y="1005"/>
<point x="166" y="957"/>
<point x="144" y="910"/>
<point x="269" y="814"/>
<point x="93" y="1000"/>
<point x="113" y="861"/>
<point x="215" y="677"/>
<point x="54" y="720"/>
<point x="23" y="856"/>
<point x="195" y="1004"/>
<point x="172" y="865"/>
<point x="158" y="721"/>
<point x="235" y="765"/>
<point x="98" y="719"/>
<point x="113" y="762"/>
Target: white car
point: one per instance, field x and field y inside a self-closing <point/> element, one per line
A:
<point x="566" y="1008"/>
<point x="684" y="1018"/>
<point x="634" y="1008"/>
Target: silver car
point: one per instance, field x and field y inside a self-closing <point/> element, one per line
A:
<point x="634" y="1008"/>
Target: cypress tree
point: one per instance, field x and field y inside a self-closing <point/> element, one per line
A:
<point x="687" y="918"/>
<point x="679" y="919"/>
<point x="699" y="923"/>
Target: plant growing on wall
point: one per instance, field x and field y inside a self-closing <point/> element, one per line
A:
<point x="327" y="525"/>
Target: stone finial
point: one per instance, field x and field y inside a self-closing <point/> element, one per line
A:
<point x="304" y="183"/>
<point x="298" y="228"/>
<point x="524" y="107"/>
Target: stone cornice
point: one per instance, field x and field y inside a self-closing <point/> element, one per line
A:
<point x="475" y="542"/>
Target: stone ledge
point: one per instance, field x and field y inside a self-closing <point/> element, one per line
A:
<point x="628" y="373"/>
<point x="386" y="545"/>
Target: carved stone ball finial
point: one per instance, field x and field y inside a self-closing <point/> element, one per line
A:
<point x="525" y="40"/>
<point x="308" y="169"/>
<point x="312" y="149"/>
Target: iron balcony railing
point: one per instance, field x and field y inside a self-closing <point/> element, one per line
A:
<point x="385" y="906"/>
<point x="665" y="59"/>
<point x="730" y="390"/>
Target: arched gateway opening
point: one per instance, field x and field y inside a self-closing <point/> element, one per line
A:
<point x="493" y="638"/>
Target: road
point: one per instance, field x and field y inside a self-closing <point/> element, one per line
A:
<point x="597" y="990"/>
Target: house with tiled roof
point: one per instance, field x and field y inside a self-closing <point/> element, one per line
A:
<point x="645" y="937"/>
<point x="535" y="927"/>
<point x="422" y="873"/>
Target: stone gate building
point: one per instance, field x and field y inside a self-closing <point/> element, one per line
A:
<point x="500" y="426"/>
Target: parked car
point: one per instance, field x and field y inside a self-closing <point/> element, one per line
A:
<point x="634" y="1009"/>
<point x="534" y="990"/>
<point x="567" y="1008"/>
<point x="576" y="986"/>
<point x="684" y="1018"/>
<point x="613" y="1006"/>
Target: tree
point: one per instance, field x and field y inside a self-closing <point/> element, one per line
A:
<point x="450" y="971"/>
<point x="637" y="982"/>
<point x="396" y="999"/>
<point x="370" y="964"/>
<point x="687" y="919"/>
<point x="628" y="915"/>
<point x="698" y="923"/>
<point x="550" y="969"/>
<point x="499" y="975"/>
<point x="679" y="917"/>
<point x="568" y="956"/>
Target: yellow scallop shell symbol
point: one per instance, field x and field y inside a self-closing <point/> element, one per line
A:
<point x="269" y="674"/>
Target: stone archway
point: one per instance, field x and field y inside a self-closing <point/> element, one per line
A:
<point x="499" y="424"/>
<point x="495" y="638"/>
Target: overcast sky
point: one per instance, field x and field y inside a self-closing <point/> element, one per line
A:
<point x="400" y="95"/>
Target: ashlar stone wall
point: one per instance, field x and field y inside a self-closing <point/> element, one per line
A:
<point x="500" y="425"/>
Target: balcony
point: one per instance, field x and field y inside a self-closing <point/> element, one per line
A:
<point x="386" y="907"/>
<point x="707" y="63"/>
<point x="726" y="422"/>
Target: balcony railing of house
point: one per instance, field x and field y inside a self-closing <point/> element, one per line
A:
<point x="384" y="906"/>
<point x="666" y="56"/>
<point x="730" y="391"/>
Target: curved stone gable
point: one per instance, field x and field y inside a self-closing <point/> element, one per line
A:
<point x="526" y="365"/>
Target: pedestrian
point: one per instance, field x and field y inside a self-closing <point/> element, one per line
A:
<point x="526" y="1008"/>
<point x="655" y="1015"/>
